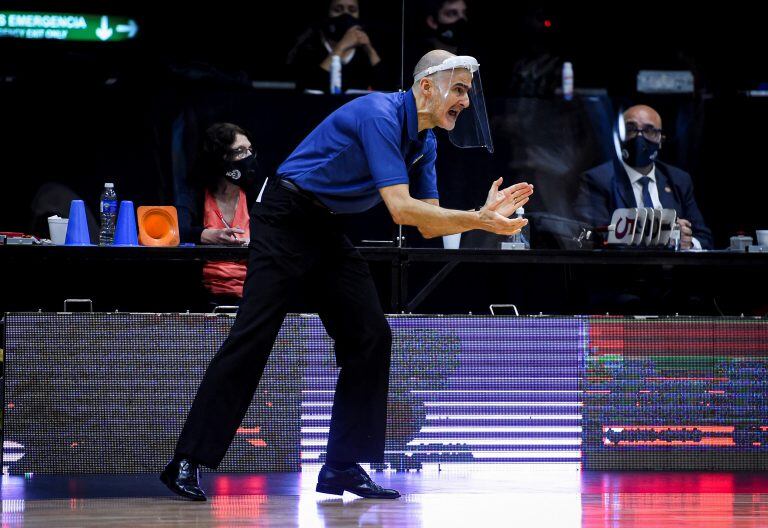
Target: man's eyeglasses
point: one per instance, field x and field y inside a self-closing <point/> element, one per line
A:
<point x="649" y="132"/>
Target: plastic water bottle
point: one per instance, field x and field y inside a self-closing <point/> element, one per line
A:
<point x="520" y="240"/>
<point x="674" y="237"/>
<point x="525" y="232"/>
<point x="335" y="74"/>
<point x="108" y="210"/>
<point x="567" y="81"/>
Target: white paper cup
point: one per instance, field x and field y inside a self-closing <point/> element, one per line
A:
<point x="58" y="229"/>
<point x="452" y="241"/>
<point x="762" y="237"/>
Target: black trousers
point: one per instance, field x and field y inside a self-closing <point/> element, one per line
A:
<point x="298" y="247"/>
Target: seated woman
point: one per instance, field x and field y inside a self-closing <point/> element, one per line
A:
<point x="339" y="34"/>
<point x="216" y="212"/>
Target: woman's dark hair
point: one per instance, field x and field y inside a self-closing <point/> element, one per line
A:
<point x="214" y="153"/>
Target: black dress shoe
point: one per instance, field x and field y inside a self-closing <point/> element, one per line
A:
<point x="183" y="478"/>
<point x="353" y="480"/>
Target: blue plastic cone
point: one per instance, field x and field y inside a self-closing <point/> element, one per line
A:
<point x="77" y="227"/>
<point x="125" y="231"/>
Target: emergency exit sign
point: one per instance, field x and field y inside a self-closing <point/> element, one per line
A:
<point x="65" y="26"/>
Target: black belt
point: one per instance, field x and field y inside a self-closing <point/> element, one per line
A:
<point x="289" y="185"/>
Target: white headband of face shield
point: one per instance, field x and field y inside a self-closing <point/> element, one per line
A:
<point x="462" y="61"/>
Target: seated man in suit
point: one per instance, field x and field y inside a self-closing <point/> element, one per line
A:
<point x="640" y="180"/>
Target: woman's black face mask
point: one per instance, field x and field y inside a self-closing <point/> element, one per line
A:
<point x="242" y="172"/>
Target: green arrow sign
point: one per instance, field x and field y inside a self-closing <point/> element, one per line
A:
<point x="65" y="26"/>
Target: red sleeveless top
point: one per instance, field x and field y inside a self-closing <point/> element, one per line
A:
<point x="225" y="277"/>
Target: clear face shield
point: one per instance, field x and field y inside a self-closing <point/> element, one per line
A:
<point x="461" y="108"/>
<point x="619" y="133"/>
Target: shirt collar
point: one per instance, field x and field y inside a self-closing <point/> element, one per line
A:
<point x="411" y="116"/>
<point x="634" y="175"/>
<point x="345" y="59"/>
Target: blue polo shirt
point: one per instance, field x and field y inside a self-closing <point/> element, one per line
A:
<point x="369" y="143"/>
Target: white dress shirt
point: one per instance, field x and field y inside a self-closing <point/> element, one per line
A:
<point x="637" y="187"/>
<point x="653" y="190"/>
<point x="346" y="58"/>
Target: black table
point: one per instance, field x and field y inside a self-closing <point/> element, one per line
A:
<point x="400" y="273"/>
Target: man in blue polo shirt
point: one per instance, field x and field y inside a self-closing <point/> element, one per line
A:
<point x="377" y="147"/>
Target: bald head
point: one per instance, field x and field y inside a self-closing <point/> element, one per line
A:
<point x="642" y="115"/>
<point x="441" y="97"/>
<point x="433" y="58"/>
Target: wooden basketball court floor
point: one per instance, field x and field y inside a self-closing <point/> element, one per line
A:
<point x="515" y="496"/>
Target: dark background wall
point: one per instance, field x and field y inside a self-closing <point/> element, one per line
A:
<point x="82" y="114"/>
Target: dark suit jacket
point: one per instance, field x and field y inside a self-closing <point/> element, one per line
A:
<point x="606" y="188"/>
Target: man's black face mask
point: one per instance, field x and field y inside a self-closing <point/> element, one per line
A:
<point x="452" y="34"/>
<point x="335" y="27"/>
<point x="639" y="152"/>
